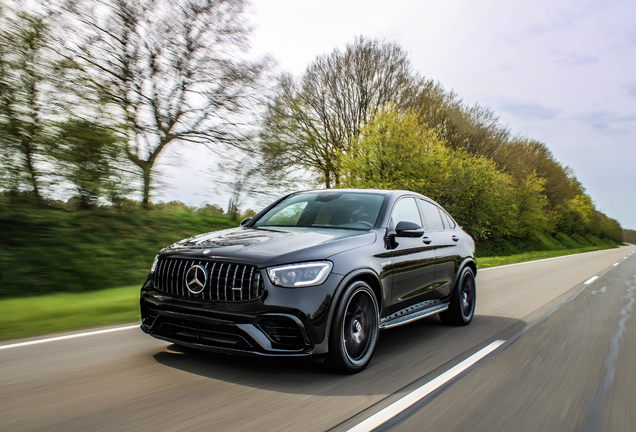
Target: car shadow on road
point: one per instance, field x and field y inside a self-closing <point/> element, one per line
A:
<point x="403" y="354"/>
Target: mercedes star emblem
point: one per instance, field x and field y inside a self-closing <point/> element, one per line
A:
<point x="195" y="280"/>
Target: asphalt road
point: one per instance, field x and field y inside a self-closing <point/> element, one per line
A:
<point x="573" y="370"/>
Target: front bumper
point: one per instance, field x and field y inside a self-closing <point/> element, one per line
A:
<point x="283" y="322"/>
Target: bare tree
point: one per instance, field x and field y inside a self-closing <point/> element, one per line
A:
<point x="170" y="70"/>
<point x="243" y="175"/>
<point x="312" y="121"/>
<point x="25" y="74"/>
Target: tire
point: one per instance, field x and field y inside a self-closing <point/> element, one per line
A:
<point x="354" y="329"/>
<point x="462" y="303"/>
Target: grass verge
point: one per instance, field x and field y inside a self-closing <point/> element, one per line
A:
<point x="535" y="255"/>
<point x="53" y="313"/>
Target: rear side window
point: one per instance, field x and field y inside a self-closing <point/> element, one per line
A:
<point x="448" y="221"/>
<point x="406" y="211"/>
<point x="432" y="217"/>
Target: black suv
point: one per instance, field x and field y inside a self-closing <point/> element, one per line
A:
<point x="318" y="272"/>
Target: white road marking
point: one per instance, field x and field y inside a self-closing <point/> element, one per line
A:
<point x="590" y="280"/>
<point x="601" y="291"/>
<point x="73" y="336"/>
<point x="615" y="264"/>
<point x="400" y="405"/>
<point x="543" y="259"/>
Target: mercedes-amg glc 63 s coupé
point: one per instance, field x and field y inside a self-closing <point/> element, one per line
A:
<point x="316" y="273"/>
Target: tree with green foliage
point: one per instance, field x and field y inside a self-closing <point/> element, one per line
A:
<point x="521" y="157"/>
<point x="606" y="227"/>
<point x="581" y="209"/>
<point x="394" y="151"/>
<point x="531" y="207"/>
<point x="87" y="154"/>
<point x="629" y="235"/>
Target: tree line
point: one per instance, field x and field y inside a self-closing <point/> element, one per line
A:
<point x="361" y="117"/>
<point x="93" y="92"/>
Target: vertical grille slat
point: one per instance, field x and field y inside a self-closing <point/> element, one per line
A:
<point x="227" y="275"/>
<point x="178" y="282"/>
<point x="162" y="276"/>
<point x="225" y="281"/>
<point x="243" y="281"/>
<point x="257" y="288"/>
<point x="233" y="287"/>
<point x="169" y="276"/>
<point x="156" y="278"/>
<point x="249" y="284"/>
<point x="218" y="283"/>
<point x="182" y="286"/>
<point x="166" y="269"/>
<point x="211" y="279"/>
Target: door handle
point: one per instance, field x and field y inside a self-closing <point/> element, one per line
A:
<point x="427" y="240"/>
<point x="455" y="238"/>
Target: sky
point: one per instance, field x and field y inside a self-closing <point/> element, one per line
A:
<point x="563" y="73"/>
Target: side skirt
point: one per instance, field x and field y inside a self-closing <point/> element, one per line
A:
<point x="413" y="313"/>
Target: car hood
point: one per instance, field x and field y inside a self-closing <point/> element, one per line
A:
<point x="272" y="246"/>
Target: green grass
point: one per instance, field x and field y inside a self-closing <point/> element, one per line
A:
<point x="535" y="255"/>
<point x="54" y="313"/>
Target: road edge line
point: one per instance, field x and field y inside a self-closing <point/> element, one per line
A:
<point x="420" y="393"/>
<point x="72" y="336"/>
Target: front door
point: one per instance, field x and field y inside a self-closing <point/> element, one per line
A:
<point x="413" y="260"/>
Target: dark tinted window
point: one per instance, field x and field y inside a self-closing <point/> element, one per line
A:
<point x="330" y="209"/>
<point x="448" y="221"/>
<point x="405" y="210"/>
<point x="432" y="217"/>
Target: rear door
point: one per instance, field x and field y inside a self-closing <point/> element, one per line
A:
<point x="440" y="228"/>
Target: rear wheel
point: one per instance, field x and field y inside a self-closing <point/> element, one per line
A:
<point x="354" y="330"/>
<point x="462" y="303"/>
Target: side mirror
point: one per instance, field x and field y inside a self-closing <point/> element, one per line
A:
<point x="408" y="229"/>
<point x="246" y="221"/>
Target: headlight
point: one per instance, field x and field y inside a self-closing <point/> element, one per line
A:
<point x="154" y="264"/>
<point x="300" y="275"/>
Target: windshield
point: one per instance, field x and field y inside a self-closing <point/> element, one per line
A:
<point x="333" y="209"/>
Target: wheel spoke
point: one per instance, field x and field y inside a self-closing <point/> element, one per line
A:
<point x="359" y="319"/>
<point x="467" y="297"/>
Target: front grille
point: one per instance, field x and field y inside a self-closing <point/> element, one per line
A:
<point x="226" y="282"/>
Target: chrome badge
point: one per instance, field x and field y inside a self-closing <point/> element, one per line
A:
<point x="196" y="278"/>
<point x="207" y="251"/>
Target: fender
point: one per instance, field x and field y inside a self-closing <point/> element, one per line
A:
<point x="323" y="347"/>
<point x="468" y="261"/>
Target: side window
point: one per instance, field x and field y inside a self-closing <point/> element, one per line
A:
<point x="431" y="216"/>
<point x="448" y="221"/>
<point x="406" y="210"/>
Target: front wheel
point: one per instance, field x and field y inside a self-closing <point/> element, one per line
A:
<point x="462" y="303"/>
<point x="354" y="330"/>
